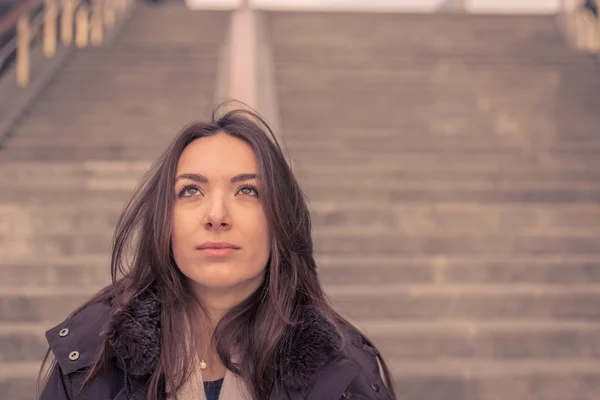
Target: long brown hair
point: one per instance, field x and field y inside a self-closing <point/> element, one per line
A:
<point x="142" y="258"/>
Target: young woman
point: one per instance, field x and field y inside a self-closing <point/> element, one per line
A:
<point x="215" y="292"/>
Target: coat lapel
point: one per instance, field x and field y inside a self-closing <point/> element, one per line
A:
<point x="313" y="345"/>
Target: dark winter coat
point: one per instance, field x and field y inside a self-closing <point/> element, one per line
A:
<point x="320" y="365"/>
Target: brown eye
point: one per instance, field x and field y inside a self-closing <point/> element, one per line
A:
<point x="248" y="190"/>
<point x="189" y="191"/>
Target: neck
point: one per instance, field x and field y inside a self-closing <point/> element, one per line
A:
<point x="216" y="302"/>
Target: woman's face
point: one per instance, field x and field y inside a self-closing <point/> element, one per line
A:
<point x="220" y="235"/>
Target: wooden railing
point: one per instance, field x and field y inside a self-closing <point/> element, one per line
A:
<point x="81" y="22"/>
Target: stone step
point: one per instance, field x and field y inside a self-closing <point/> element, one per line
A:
<point x="511" y="122"/>
<point x="450" y="131"/>
<point x="467" y="269"/>
<point x="134" y="124"/>
<point x="433" y="196"/>
<point x="496" y="340"/>
<point x="79" y="172"/>
<point x="429" y="44"/>
<point x="330" y="108"/>
<point x="389" y="243"/>
<point x="127" y="125"/>
<point x="506" y="100"/>
<point x="386" y="55"/>
<point x="287" y="49"/>
<point x="451" y="380"/>
<point x="42" y="305"/>
<point x="460" y="85"/>
<point x="178" y="25"/>
<point x="80" y="101"/>
<point x="481" y="302"/>
<point x="199" y="50"/>
<point x="528" y="157"/>
<point x="21" y="343"/>
<point x="49" y="273"/>
<point x="110" y="190"/>
<point x="397" y="170"/>
<point x="120" y="94"/>
<point x="506" y="104"/>
<point x="361" y="24"/>
<point x="126" y="61"/>
<point x="24" y="239"/>
<point x="80" y="178"/>
<point x="341" y="117"/>
<point x="439" y="73"/>
<point x="12" y="247"/>
<point x="419" y="66"/>
<point x="131" y="137"/>
<point x="480" y="144"/>
<point x="137" y="115"/>
<point x="100" y="216"/>
<point x="419" y="219"/>
<point x="385" y="46"/>
<point x="40" y="157"/>
<point x="94" y="271"/>
<point x="19" y="380"/>
<point x="412" y="165"/>
<point x="478" y="380"/>
<point x="123" y="80"/>
<point x="508" y="168"/>
<point x="361" y="302"/>
<point x="77" y="154"/>
<point x="469" y="379"/>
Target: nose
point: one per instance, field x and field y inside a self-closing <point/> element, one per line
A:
<point x="217" y="216"/>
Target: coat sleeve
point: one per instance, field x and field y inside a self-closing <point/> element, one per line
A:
<point x="56" y="386"/>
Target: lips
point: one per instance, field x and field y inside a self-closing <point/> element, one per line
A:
<point x="217" y="249"/>
<point x="217" y="245"/>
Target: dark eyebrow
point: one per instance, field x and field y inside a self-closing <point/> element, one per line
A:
<point x="243" y="177"/>
<point x="203" y="179"/>
<point x="193" y="177"/>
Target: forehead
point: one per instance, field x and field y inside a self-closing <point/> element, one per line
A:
<point x="220" y="154"/>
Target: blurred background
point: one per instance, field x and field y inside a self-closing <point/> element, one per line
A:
<point x="450" y="150"/>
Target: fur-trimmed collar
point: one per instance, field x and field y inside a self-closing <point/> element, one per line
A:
<point x="134" y="333"/>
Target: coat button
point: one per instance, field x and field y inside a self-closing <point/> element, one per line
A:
<point x="346" y="395"/>
<point x="74" y="355"/>
<point x="63" y="332"/>
<point x="375" y="387"/>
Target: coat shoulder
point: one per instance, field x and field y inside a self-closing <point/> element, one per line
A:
<point x="369" y="382"/>
<point x="76" y="341"/>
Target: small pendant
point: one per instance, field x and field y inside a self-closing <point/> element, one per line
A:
<point x="202" y="364"/>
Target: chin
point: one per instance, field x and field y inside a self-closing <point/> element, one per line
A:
<point x="220" y="282"/>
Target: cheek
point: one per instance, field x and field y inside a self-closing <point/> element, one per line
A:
<point x="265" y="244"/>
<point x="258" y="232"/>
<point x="263" y="231"/>
<point x="181" y="228"/>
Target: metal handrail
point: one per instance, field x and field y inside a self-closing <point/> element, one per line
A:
<point x="77" y="20"/>
<point x="10" y="20"/>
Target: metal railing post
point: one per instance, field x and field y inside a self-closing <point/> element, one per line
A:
<point x="23" y="40"/>
<point x="50" y="17"/>
<point x="82" y="26"/>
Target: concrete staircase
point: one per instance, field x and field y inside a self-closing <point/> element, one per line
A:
<point x="453" y="167"/>
<point x="75" y="157"/>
